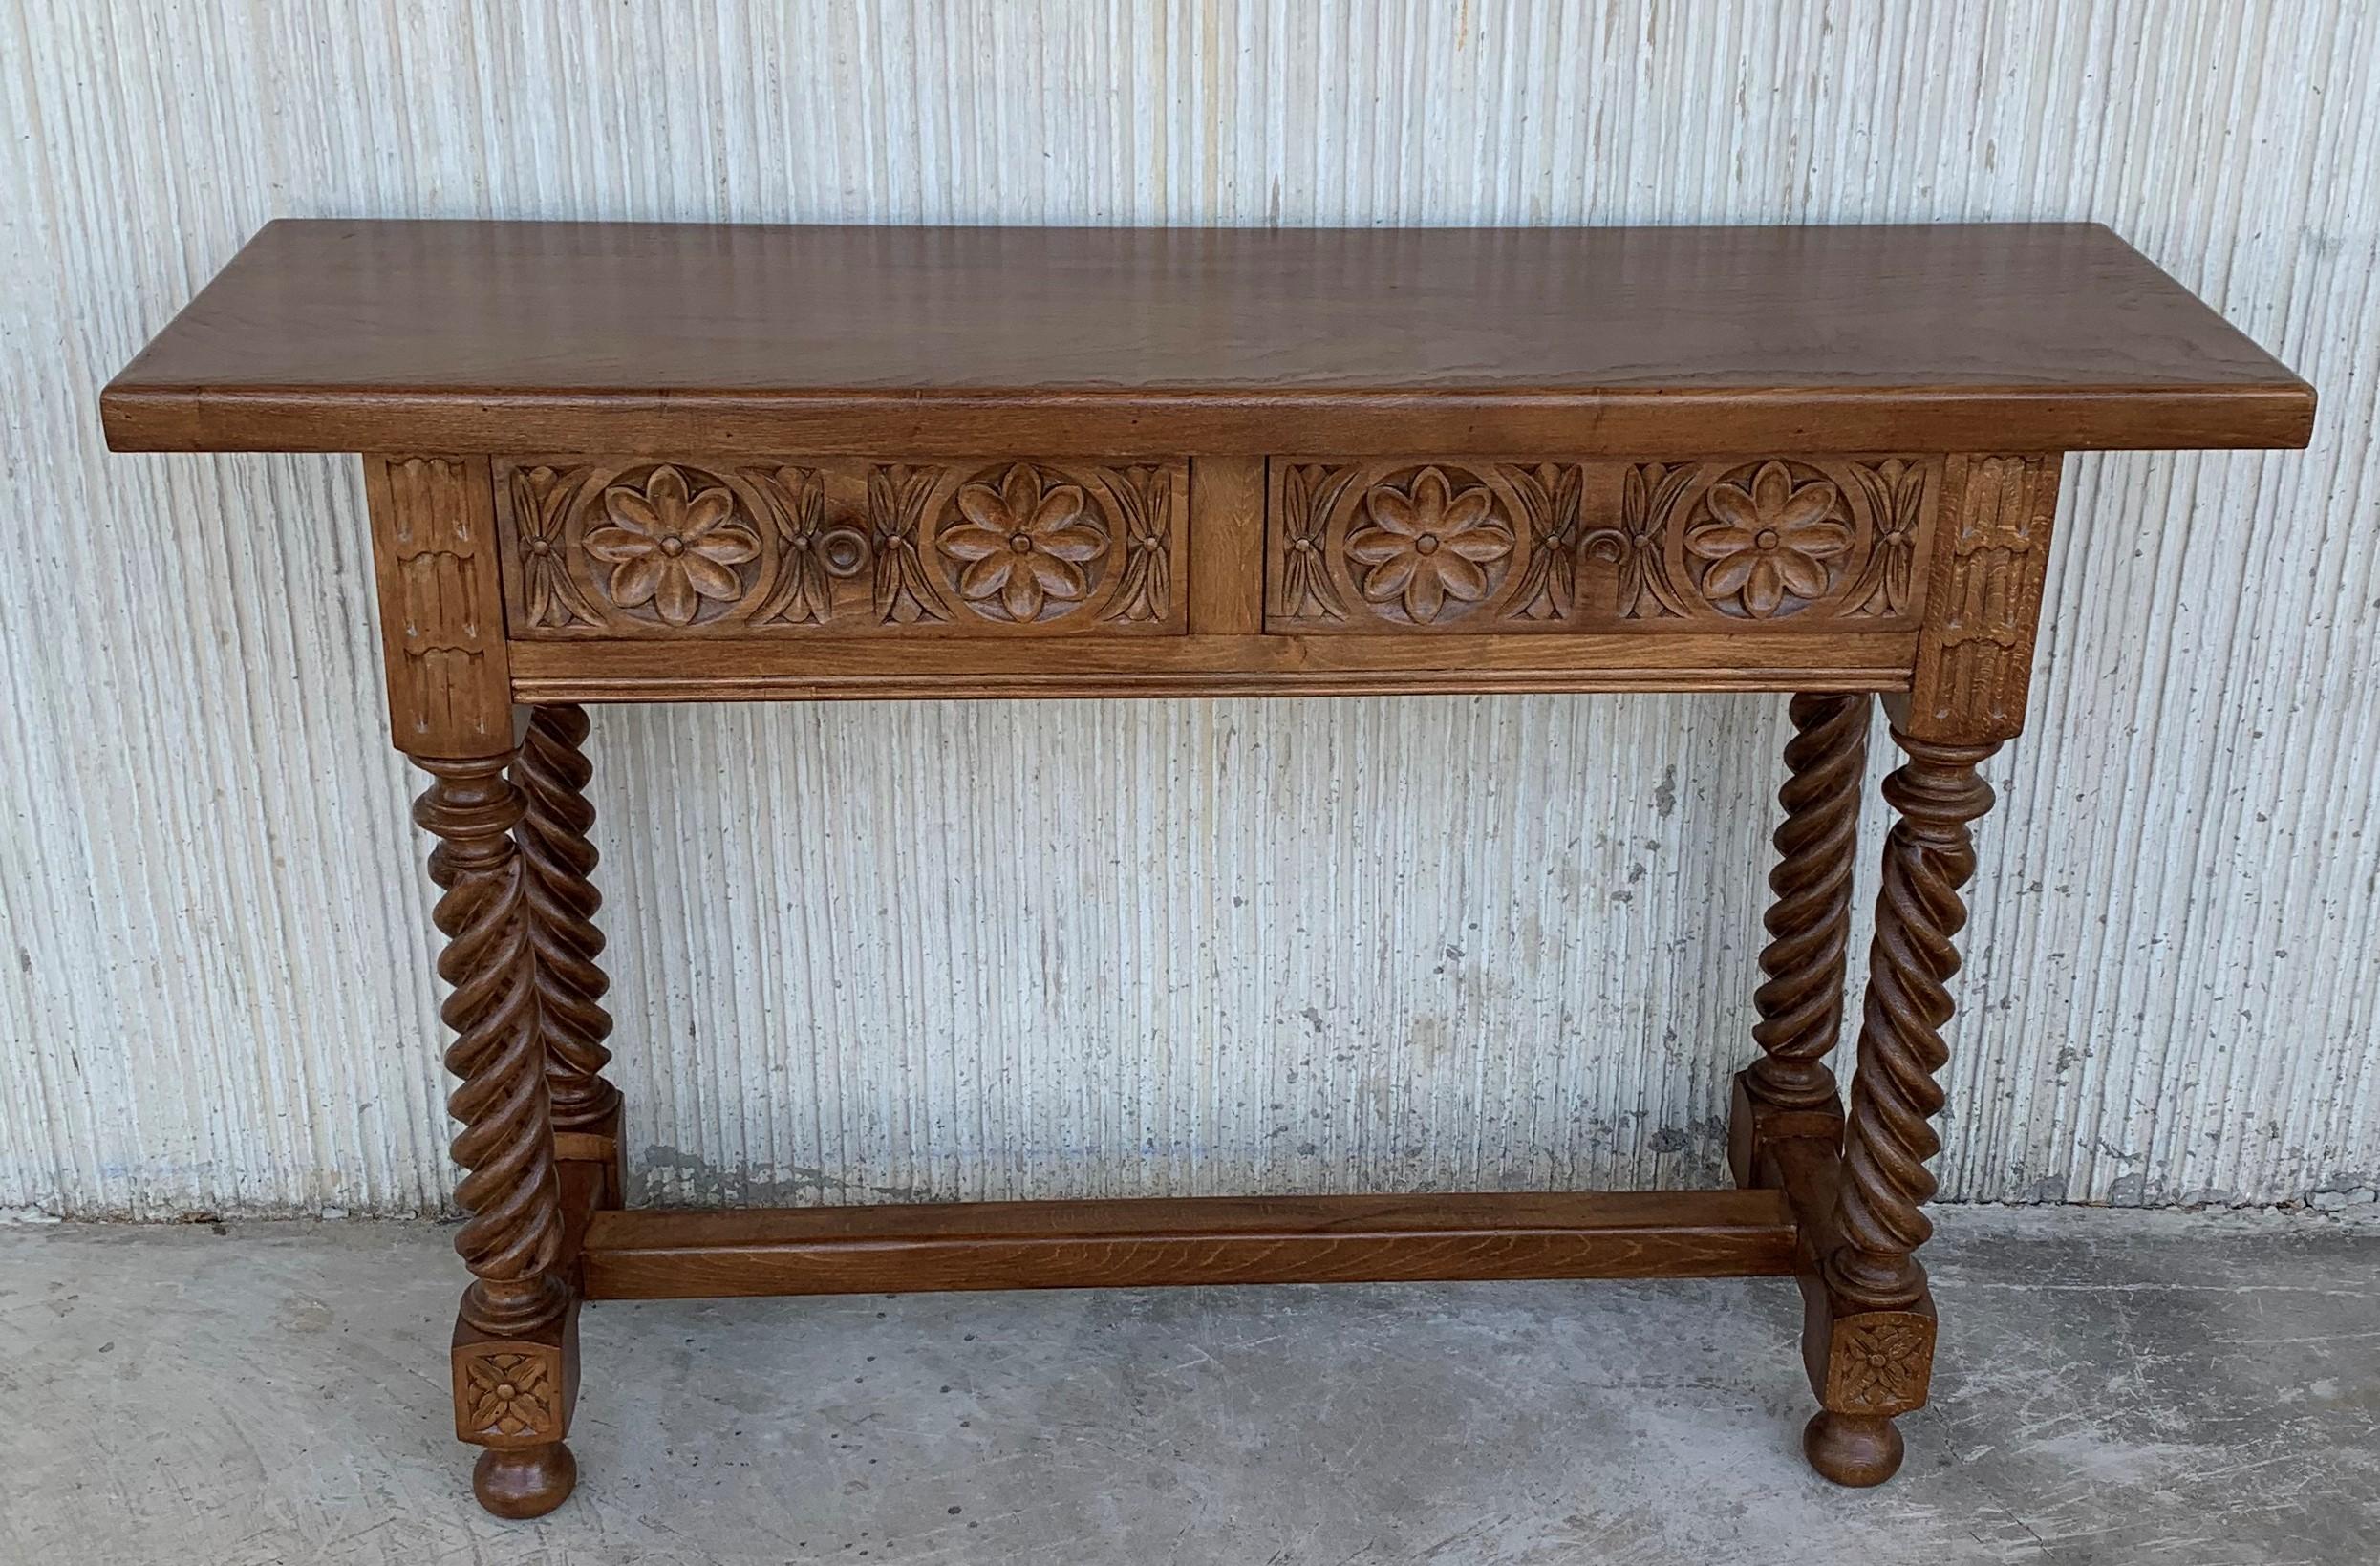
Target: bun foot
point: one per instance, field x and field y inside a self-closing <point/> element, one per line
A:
<point x="528" y="1483"/>
<point x="1855" y="1450"/>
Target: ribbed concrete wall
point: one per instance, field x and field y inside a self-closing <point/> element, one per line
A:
<point x="1015" y="950"/>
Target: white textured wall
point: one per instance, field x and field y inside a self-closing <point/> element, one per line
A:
<point x="1009" y="950"/>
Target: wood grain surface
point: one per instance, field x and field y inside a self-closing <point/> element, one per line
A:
<point x="753" y="670"/>
<point x="658" y="1253"/>
<point x="454" y="337"/>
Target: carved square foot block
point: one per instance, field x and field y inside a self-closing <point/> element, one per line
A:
<point x="1867" y="1368"/>
<point x="514" y="1396"/>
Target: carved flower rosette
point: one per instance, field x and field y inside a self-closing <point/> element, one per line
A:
<point x="510" y="1398"/>
<point x="1425" y="545"/>
<point x="839" y="547"/>
<point x="1488" y="547"/>
<point x="1789" y="541"/>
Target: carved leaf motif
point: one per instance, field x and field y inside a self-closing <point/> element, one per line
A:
<point x="1549" y="497"/>
<point x="1308" y="494"/>
<point x="896" y="508"/>
<point x="1427" y="543"/>
<point x="1769" y="541"/>
<point x="540" y="506"/>
<point x="672" y="546"/>
<point x="1142" y="498"/>
<point x="811" y="554"/>
<point x="1896" y="496"/>
<point x="1637" y="548"/>
<point x="1019" y="551"/>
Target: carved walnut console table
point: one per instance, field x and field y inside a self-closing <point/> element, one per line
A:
<point x="644" y="463"/>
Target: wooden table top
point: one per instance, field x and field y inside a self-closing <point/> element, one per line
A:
<point x="338" y="335"/>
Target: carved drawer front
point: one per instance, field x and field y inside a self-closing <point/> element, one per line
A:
<point x="1451" y="544"/>
<point x="842" y="547"/>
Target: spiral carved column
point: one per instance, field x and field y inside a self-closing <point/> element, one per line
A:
<point x="1808" y="922"/>
<point x="1928" y="858"/>
<point x="514" y="1236"/>
<point x="1871" y="1346"/>
<point x="551" y="773"/>
<point x="515" y="1360"/>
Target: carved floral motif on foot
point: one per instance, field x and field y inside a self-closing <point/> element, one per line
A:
<point x="1880" y="1364"/>
<point x="510" y="1395"/>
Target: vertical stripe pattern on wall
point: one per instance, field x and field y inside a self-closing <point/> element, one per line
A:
<point x="1025" y="950"/>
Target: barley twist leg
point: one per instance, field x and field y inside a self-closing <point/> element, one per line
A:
<point x="1876" y="1359"/>
<point x="1808" y="922"/>
<point x="514" y="1354"/>
<point x="551" y="773"/>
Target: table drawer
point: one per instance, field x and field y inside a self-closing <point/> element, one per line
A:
<point x="840" y="547"/>
<point x="1421" y="546"/>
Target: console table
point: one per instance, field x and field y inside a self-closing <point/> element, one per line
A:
<point x="638" y="462"/>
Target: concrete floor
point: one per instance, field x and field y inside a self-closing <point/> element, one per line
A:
<point x="2115" y="1387"/>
